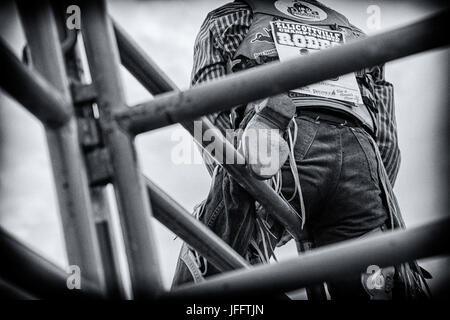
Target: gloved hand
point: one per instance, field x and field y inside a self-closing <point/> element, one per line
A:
<point x="262" y="144"/>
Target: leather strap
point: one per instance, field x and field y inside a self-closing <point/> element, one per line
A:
<point x="330" y="116"/>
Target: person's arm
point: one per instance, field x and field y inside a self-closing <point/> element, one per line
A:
<point x="218" y="39"/>
<point x="209" y="64"/>
<point x="386" y="136"/>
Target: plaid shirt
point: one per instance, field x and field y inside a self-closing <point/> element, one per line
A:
<point x="220" y="36"/>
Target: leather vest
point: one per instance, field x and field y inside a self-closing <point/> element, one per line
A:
<point x="258" y="47"/>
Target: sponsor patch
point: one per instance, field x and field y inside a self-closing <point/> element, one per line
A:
<point x="297" y="39"/>
<point x="301" y="10"/>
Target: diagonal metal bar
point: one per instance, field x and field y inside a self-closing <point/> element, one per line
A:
<point x="36" y="275"/>
<point x="13" y="292"/>
<point x="31" y="90"/>
<point x="327" y="263"/>
<point x="156" y="82"/>
<point x="259" y="190"/>
<point x="133" y="202"/>
<point x="275" y="78"/>
<point x="195" y="233"/>
<point x="68" y="168"/>
<point x="140" y="66"/>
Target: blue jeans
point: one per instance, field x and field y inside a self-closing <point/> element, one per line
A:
<point x="338" y="172"/>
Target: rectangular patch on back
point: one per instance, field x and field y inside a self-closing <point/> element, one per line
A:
<point x="297" y="39"/>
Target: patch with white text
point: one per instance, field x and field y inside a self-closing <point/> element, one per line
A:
<point x="297" y="39"/>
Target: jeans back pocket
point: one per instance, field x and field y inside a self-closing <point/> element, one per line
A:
<point x="307" y="130"/>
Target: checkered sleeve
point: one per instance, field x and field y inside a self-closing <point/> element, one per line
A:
<point x="218" y="39"/>
<point x="386" y="137"/>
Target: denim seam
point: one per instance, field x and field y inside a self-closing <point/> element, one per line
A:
<point x="313" y="138"/>
<point x="332" y="194"/>
<point x="373" y="175"/>
<point x="233" y="244"/>
<point x="192" y="267"/>
<point x="214" y="216"/>
<point x="382" y="186"/>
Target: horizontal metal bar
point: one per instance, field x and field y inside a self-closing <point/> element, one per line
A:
<point x="31" y="90"/>
<point x="140" y="66"/>
<point x="25" y="269"/>
<point x="278" y="77"/>
<point x="195" y="233"/>
<point x="326" y="263"/>
<point x="156" y="82"/>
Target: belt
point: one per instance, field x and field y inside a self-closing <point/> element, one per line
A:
<point x="338" y="118"/>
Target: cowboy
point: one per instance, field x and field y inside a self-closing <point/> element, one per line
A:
<point x="336" y="143"/>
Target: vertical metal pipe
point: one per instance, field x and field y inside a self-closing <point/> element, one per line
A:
<point x="133" y="201"/>
<point x="109" y="252"/>
<point x="89" y="139"/>
<point x="68" y="168"/>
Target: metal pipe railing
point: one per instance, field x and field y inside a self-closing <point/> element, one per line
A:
<point x="167" y="211"/>
<point x="90" y="139"/>
<point x="156" y="82"/>
<point x="140" y="66"/>
<point x="31" y="90"/>
<point x="13" y="292"/>
<point x="71" y="183"/>
<point x="326" y="263"/>
<point x="36" y="276"/>
<point x="319" y="265"/>
<point x="275" y="78"/>
<point x="133" y="202"/>
<point x="259" y="190"/>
